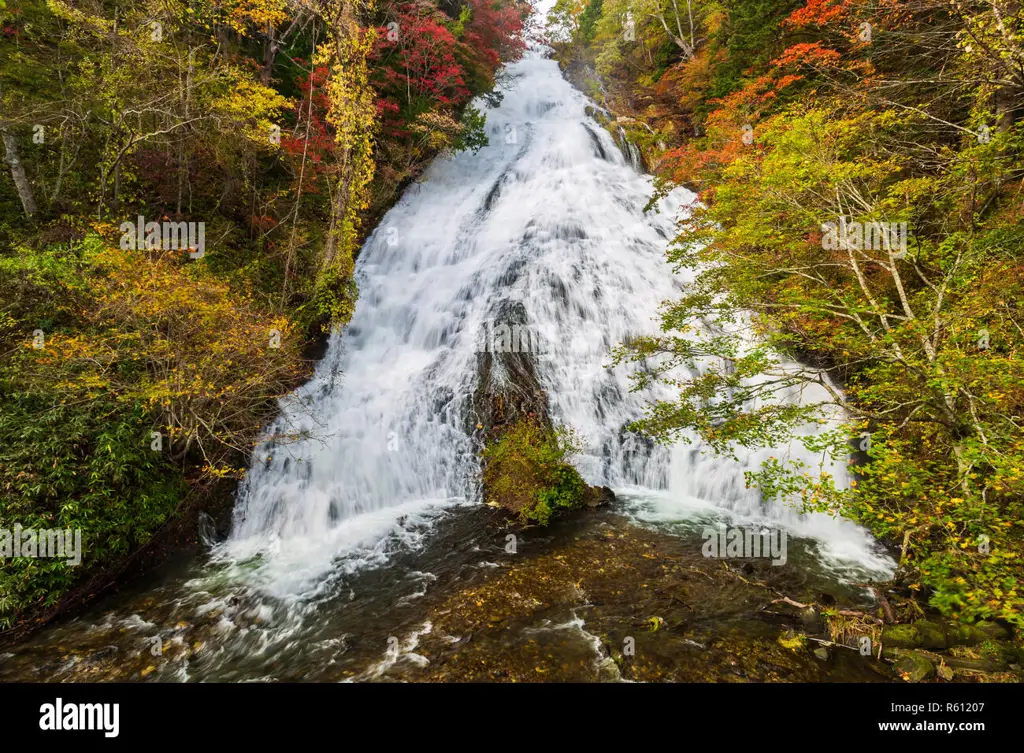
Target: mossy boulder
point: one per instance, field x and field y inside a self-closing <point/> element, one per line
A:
<point x="983" y="632"/>
<point x="527" y="473"/>
<point x="992" y="631"/>
<point x="960" y="634"/>
<point x="901" y="636"/>
<point x="963" y="635"/>
<point x="595" y="496"/>
<point x="933" y="634"/>
<point x="526" y="468"/>
<point x="913" y="667"/>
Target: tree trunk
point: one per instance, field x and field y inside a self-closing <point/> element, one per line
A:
<point x="13" y="158"/>
<point x="269" y="58"/>
<point x="339" y="209"/>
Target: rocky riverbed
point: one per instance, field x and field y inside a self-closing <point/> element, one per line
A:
<point x="596" y="596"/>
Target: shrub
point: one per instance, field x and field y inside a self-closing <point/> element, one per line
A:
<point x="527" y="472"/>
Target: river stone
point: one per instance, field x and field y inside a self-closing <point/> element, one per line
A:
<point x="901" y="636"/>
<point x="915" y="668"/>
<point x="933" y="634"/>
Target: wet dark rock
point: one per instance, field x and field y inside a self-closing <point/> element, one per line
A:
<point x="508" y="392"/>
<point x="598" y="495"/>
<point x="595" y="140"/>
<point x="811" y="620"/>
<point x="507" y="388"/>
<point x="207" y="529"/>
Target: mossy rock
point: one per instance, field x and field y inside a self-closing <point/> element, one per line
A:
<point x="1002" y="654"/>
<point x="901" y="636"/>
<point x="596" y="496"/>
<point x="992" y="631"/>
<point x="933" y="634"/>
<point x="960" y="634"/>
<point x="915" y="668"/>
<point x="810" y="620"/>
<point x="526" y="473"/>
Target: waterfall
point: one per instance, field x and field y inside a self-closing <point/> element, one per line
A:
<point x="547" y="218"/>
<point x="631" y="151"/>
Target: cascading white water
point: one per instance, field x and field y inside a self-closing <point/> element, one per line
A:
<point x="548" y="216"/>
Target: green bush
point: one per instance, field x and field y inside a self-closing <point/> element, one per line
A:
<point x="527" y="472"/>
<point x="87" y="467"/>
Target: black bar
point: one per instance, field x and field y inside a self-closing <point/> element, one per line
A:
<point x="345" y="715"/>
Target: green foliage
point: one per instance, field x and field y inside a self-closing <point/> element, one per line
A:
<point x="589" y="19"/>
<point x="334" y="298"/>
<point x="68" y="467"/>
<point x="928" y="351"/>
<point x="130" y="345"/>
<point x="457" y="26"/>
<point x="749" y="39"/>
<point x="527" y="472"/>
<point x="917" y="347"/>
<point x="68" y="464"/>
<point x="473" y="134"/>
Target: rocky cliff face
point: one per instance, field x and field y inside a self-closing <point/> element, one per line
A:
<point x="511" y="405"/>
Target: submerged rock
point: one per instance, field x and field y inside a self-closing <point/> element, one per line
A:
<point x="583" y="606"/>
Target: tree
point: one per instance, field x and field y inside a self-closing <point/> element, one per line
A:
<point x="12" y="156"/>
